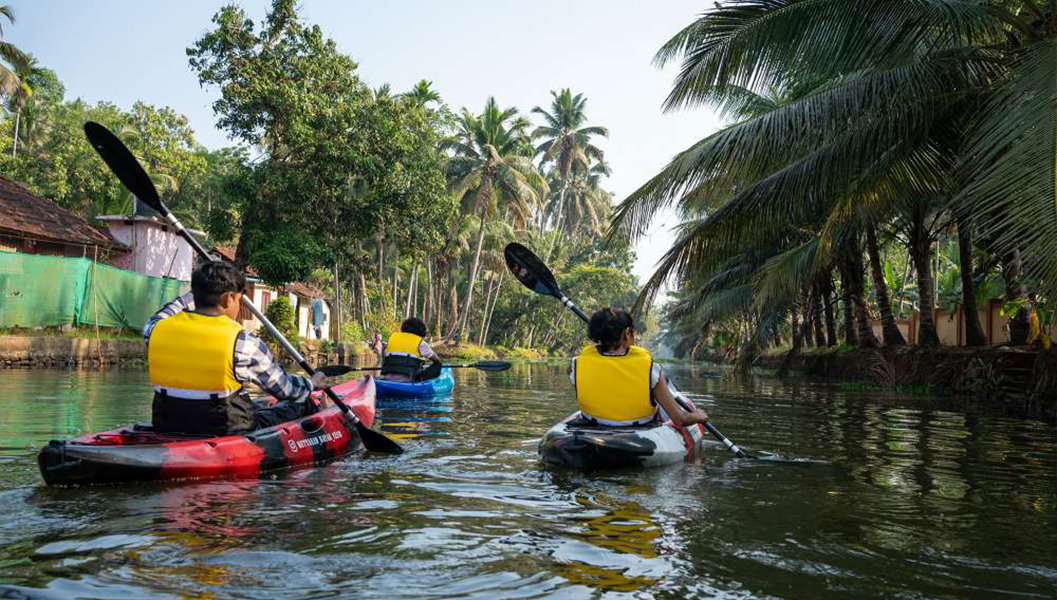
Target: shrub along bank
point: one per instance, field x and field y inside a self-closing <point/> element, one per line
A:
<point x="1022" y="378"/>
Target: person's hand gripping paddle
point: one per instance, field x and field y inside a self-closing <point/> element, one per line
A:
<point x="132" y="176"/>
<point x="533" y="274"/>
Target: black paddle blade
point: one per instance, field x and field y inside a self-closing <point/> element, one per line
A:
<point x="377" y="442"/>
<point x="493" y="366"/>
<point x="338" y="370"/>
<point x="530" y="270"/>
<point x="121" y="161"/>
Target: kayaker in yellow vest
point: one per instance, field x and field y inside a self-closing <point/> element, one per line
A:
<point x="200" y="359"/>
<point x="617" y="383"/>
<point x="406" y="356"/>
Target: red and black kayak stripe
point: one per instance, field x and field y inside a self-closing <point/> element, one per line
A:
<point x="134" y="454"/>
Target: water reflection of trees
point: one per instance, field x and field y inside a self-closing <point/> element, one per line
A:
<point x="619" y="529"/>
<point x="927" y="475"/>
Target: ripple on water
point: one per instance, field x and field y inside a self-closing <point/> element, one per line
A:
<point x="902" y="499"/>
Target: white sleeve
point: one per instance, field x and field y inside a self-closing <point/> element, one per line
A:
<point x="655" y="375"/>
<point x="572" y="371"/>
<point x="426" y="351"/>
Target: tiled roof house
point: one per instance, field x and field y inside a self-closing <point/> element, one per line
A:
<point x="35" y="225"/>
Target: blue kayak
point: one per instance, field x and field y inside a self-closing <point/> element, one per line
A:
<point x="416" y="389"/>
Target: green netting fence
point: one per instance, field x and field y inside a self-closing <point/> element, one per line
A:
<point x="48" y="291"/>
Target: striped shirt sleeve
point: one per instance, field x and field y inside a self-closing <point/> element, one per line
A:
<point x="180" y="304"/>
<point x="254" y="363"/>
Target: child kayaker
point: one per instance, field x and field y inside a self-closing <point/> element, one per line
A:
<point x="617" y="383"/>
<point x="406" y="354"/>
<point x="200" y="359"/>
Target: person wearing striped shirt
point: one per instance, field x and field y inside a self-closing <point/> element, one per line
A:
<point x="200" y="360"/>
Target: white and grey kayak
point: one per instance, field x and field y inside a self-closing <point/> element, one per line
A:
<point x="588" y="446"/>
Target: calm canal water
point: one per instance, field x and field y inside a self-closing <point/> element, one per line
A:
<point x="907" y="498"/>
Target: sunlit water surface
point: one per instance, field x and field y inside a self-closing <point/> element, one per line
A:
<point x="903" y="498"/>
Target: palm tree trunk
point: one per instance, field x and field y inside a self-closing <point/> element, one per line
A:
<point x="453" y="302"/>
<point x="491" y="312"/>
<point x="1020" y="323"/>
<point x="473" y="278"/>
<point x="797" y="343"/>
<point x="808" y="301"/>
<point x="559" y="222"/>
<point x="381" y="256"/>
<point x="336" y="317"/>
<point x="396" y="290"/>
<point x="365" y="306"/>
<point x="889" y="329"/>
<point x="427" y="300"/>
<point x="851" y="334"/>
<point x="816" y="317"/>
<point x="921" y="254"/>
<point x="484" y="313"/>
<point x="974" y="332"/>
<point x="14" y="148"/>
<point x="827" y="307"/>
<point x="412" y="291"/>
<point x="854" y="277"/>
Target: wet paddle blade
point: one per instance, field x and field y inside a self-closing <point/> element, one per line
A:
<point x="339" y="370"/>
<point x="377" y="442"/>
<point x="492" y="366"/>
<point x="530" y="270"/>
<point x="124" y="164"/>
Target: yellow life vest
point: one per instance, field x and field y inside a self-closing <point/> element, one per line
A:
<point x="192" y="356"/>
<point x="615" y="388"/>
<point x="404" y="343"/>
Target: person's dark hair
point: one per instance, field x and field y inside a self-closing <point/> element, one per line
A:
<point x="607" y="325"/>
<point x="415" y="326"/>
<point x="212" y="280"/>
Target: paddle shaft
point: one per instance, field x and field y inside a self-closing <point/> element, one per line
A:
<point x="260" y="317"/>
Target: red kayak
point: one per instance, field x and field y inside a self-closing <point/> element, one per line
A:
<point x="136" y="453"/>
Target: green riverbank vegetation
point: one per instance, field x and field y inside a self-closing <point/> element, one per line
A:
<point x="880" y="158"/>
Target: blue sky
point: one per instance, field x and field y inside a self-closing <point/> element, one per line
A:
<point x="128" y="50"/>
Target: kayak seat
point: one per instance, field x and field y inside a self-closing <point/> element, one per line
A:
<point x="580" y="423"/>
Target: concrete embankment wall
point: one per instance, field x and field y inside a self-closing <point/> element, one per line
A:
<point x="68" y="352"/>
<point x="1020" y="378"/>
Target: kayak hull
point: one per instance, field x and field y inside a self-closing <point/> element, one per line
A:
<point x="583" y="446"/>
<point x="440" y="385"/>
<point x="135" y="453"/>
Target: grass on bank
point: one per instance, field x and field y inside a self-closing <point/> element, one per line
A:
<point x="79" y="332"/>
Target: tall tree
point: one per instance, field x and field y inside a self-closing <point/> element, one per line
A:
<point x="905" y="102"/>
<point x="338" y="159"/>
<point x="566" y="138"/>
<point x="15" y="61"/>
<point x="491" y="169"/>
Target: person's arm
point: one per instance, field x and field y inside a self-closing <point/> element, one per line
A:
<point x="181" y="303"/>
<point x="667" y="401"/>
<point x="254" y="363"/>
<point x="427" y="352"/>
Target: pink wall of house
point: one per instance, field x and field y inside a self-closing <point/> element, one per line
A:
<point x="157" y="250"/>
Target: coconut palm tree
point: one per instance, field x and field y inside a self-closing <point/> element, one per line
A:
<point x="585" y="206"/>
<point x="16" y="59"/>
<point x="422" y="94"/>
<point x="491" y="170"/>
<point x="911" y="103"/>
<point x="566" y="138"/>
<point x="21" y="95"/>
